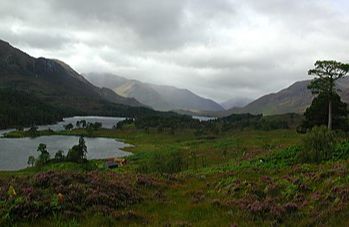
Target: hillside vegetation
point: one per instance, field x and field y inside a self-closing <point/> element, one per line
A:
<point x="179" y="177"/>
<point x="49" y="89"/>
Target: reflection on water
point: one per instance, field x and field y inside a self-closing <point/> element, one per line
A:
<point x="201" y="118"/>
<point x="14" y="153"/>
<point x="107" y="122"/>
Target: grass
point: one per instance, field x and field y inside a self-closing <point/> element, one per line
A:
<point x="243" y="178"/>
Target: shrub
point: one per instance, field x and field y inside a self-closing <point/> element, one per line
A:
<point x="59" y="156"/>
<point x="69" y="127"/>
<point x="341" y="151"/>
<point x="318" y="145"/>
<point x="121" y="124"/>
<point x="163" y="163"/>
<point x="31" y="160"/>
<point x="282" y="158"/>
<point x="94" y="126"/>
<point x="33" y="131"/>
<point x="44" y="156"/>
<point x="174" y="163"/>
<point x="78" y="152"/>
<point x="74" y="154"/>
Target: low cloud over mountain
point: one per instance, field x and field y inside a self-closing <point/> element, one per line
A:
<point x="218" y="49"/>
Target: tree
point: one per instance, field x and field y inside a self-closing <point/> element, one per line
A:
<point x="44" y="156"/>
<point x="318" y="145"/>
<point x="78" y="152"/>
<point x="326" y="74"/>
<point x="94" y="126"/>
<point x="59" y="156"/>
<point x="82" y="147"/>
<point x="83" y="123"/>
<point x="74" y="154"/>
<point x="33" y="131"/>
<point x="31" y="160"/>
<point x="69" y="127"/>
<point x="42" y="148"/>
<point x="317" y="114"/>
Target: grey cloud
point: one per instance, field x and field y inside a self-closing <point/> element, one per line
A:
<point x="152" y="22"/>
<point x="37" y="39"/>
<point x="219" y="49"/>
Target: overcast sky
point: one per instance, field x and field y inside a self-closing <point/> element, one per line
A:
<point x="217" y="48"/>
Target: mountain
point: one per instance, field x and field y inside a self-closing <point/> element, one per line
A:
<point x="52" y="83"/>
<point x="144" y="93"/>
<point x="235" y="102"/>
<point x="159" y="97"/>
<point x="183" y="99"/>
<point x="51" y="79"/>
<point x="294" y="99"/>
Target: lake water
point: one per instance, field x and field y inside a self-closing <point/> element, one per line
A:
<point x="14" y="153"/>
<point x="107" y="122"/>
<point x="202" y="118"/>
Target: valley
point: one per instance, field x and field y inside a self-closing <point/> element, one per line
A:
<point x="191" y="164"/>
<point x="174" y="113"/>
<point x="159" y="97"/>
<point x="221" y="181"/>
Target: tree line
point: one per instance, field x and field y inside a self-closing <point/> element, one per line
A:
<point x="78" y="154"/>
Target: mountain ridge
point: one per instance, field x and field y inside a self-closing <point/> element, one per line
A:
<point x="160" y="97"/>
<point x="18" y="68"/>
<point x="235" y="102"/>
<point x="53" y="84"/>
<point x="293" y="99"/>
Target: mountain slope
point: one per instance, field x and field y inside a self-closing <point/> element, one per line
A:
<point x="185" y="99"/>
<point x="52" y="80"/>
<point x="23" y="109"/>
<point x="294" y="99"/>
<point x="157" y="96"/>
<point x="235" y="102"/>
<point x="144" y="93"/>
<point x="54" y="89"/>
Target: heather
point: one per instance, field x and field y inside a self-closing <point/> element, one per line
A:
<point x="242" y="177"/>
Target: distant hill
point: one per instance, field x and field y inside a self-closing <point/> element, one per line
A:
<point x="52" y="83"/>
<point x="144" y="93"/>
<point x="294" y="99"/>
<point x="158" y="97"/>
<point x="235" y="102"/>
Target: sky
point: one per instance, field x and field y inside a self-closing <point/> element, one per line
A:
<point x="220" y="49"/>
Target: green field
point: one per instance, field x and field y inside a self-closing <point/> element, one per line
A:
<point x="242" y="178"/>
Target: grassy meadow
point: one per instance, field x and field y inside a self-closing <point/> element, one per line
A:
<point x="236" y="178"/>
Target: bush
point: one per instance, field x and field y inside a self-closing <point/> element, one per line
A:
<point x="69" y="127"/>
<point x="282" y="158"/>
<point x="121" y="124"/>
<point x="163" y="163"/>
<point x="341" y="151"/>
<point x="31" y="160"/>
<point x="44" y="156"/>
<point x="59" y="156"/>
<point x="318" y="145"/>
<point x="78" y="152"/>
<point x="33" y="131"/>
